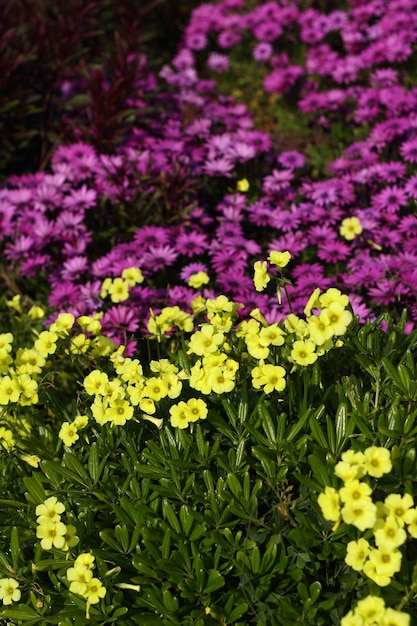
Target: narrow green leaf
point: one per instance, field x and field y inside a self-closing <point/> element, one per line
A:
<point x="186" y="519"/>
<point x="36" y="493"/>
<point x="169" y="514"/>
<point x="267" y="422"/>
<point x="234" y="486"/>
<point x="122" y="536"/>
<point x="318" y="433"/>
<point x="94" y="463"/>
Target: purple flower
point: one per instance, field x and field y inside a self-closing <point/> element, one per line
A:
<point x="218" y="167"/>
<point x="191" y="243"/>
<point x="218" y="62"/>
<point x="159" y="257"/>
<point x="192" y="268"/>
<point x="291" y="159"/>
<point x="390" y="199"/>
<point x="262" y="51"/>
<point x="408" y="150"/>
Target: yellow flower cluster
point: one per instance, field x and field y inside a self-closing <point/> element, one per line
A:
<point x="118" y="288"/>
<point x="82" y="582"/>
<point x="353" y="505"/>
<point x="371" y="611"/>
<point x="9" y="591"/>
<point x="51" y="531"/>
<point x="115" y="399"/>
<point x="68" y="432"/>
<point x="171" y="317"/>
<point x="317" y="333"/>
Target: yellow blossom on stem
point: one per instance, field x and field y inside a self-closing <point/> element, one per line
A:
<point x="261" y="277"/>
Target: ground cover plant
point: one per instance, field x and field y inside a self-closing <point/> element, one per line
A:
<point x="207" y="341"/>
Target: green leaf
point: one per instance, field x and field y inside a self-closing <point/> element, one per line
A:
<point x="23" y="612"/>
<point x="214" y="581"/>
<point x="186" y="519"/>
<point x="15" y="547"/>
<point x="169" y="514"/>
<point x="341" y="426"/>
<point x="267" y="422"/>
<point x="122" y="536"/>
<point x="36" y="493"/>
<point x="237" y="612"/>
<point x="93" y="463"/>
<point x="108" y="537"/>
<point x="318" y="433"/>
<point x="234" y="486"/>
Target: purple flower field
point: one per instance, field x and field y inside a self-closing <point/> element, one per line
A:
<point x="199" y="186"/>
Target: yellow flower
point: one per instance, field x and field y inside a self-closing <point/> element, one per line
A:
<point x="198" y="280"/>
<point x="119" y="411"/>
<point x="350" y="227"/>
<point x="71" y="538"/>
<point x="280" y="259"/>
<point x="410" y="519"/>
<point x="51" y="534"/>
<point x="32" y="459"/>
<point x="180" y="415"/>
<point x="350" y="619"/>
<point x="242" y="185"/>
<point x="68" y="434"/>
<point x="382" y="580"/>
<point x="271" y="335"/>
<point x="270" y="377"/>
<point x="294" y="324"/>
<point x="155" y="388"/>
<point x="319" y="328"/>
<point x="133" y="276"/>
<point x="303" y="353"/>
<point x="391" y="617"/>
<point x="386" y="562"/>
<point x="313" y="302"/>
<point x="398" y="506"/>
<point x="6" y="340"/>
<point x="63" y="324"/>
<point x="360" y="513"/>
<point x="377" y="461"/>
<point x="356" y="553"/>
<point x="351" y="466"/>
<point x="50" y="509"/>
<point x="388" y="534"/>
<point x="370" y="609"/>
<point x="9" y="591"/>
<point x="172" y="384"/>
<point x="333" y="295"/>
<point x="80" y="421"/>
<point x="85" y="558"/>
<point x="205" y="340"/>
<point x="36" y="313"/>
<point x="78" y="576"/>
<point x="94" y="590"/>
<point x="354" y="490"/>
<point x="118" y="290"/>
<point x="45" y="344"/>
<point x="329" y="502"/>
<point x="9" y="390"/>
<point x="96" y="383"/>
<point x="198" y="409"/>
<point x="261" y="277"/>
<point x="339" y="318"/>
<point x="6" y="438"/>
<point x="220" y="381"/>
<point x="255" y="347"/>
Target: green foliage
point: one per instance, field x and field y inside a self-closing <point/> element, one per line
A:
<point x="217" y="523"/>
